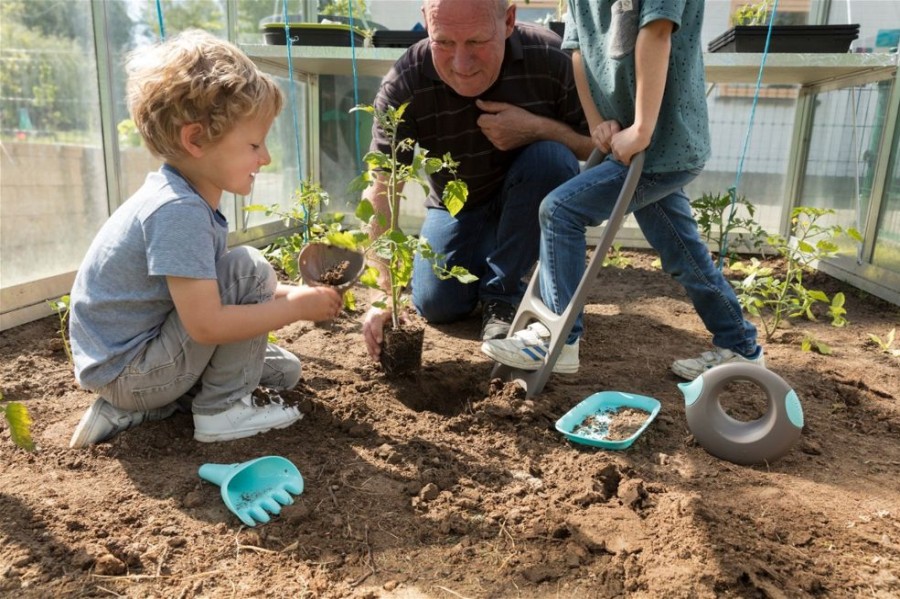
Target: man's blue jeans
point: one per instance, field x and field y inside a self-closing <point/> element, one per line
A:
<point x="497" y="241"/>
<point x="664" y="215"/>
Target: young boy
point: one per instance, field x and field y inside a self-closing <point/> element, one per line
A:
<point x="639" y="70"/>
<point x="159" y="304"/>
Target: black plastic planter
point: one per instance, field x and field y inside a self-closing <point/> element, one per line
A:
<point x="787" y="38"/>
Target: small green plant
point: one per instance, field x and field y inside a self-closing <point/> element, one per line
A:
<point x="19" y="421"/>
<point x="388" y="243"/>
<point x="751" y="14"/>
<point x="772" y="298"/>
<point x="307" y="217"/>
<point x="718" y="221"/>
<point x="886" y="345"/>
<point x="342" y="8"/>
<point x="61" y="308"/>
<point x="615" y="257"/>
<point x="810" y="343"/>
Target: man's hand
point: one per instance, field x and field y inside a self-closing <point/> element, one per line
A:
<point x="506" y="126"/>
<point x="373" y="330"/>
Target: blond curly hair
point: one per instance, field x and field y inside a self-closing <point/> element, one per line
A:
<point x="195" y="77"/>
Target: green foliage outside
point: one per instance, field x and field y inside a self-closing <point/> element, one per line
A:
<point x="394" y="248"/>
<point x="751" y="14"/>
<point x="16" y="415"/>
<point x="774" y="298"/>
<point x="718" y="221"/>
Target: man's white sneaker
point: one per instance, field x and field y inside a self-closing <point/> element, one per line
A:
<point x="244" y="419"/>
<point x="526" y="349"/>
<point x="103" y="420"/>
<point x="691" y="368"/>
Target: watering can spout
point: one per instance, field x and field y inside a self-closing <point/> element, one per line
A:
<point x="691" y="390"/>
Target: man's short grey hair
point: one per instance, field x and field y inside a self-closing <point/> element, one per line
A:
<point x="500" y="5"/>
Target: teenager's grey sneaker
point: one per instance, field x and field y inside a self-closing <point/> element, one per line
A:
<point x="244" y="419"/>
<point x="691" y="368"/>
<point x="103" y="420"/>
<point x="496" y="317"/>
<point x="526" y="349"/>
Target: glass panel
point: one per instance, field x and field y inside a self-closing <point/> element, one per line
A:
<point x="879" y="23"/>
<point x="844" y="143"/>
<point x="52" y="156"/>
<point x="887" y="241"/>
<point x="765" y="163"/>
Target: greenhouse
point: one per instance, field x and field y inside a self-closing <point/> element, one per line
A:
<point x="465" y="476"/>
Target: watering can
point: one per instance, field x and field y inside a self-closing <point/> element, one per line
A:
<point x="254" y="489"/>
<point x="762" y="440"/>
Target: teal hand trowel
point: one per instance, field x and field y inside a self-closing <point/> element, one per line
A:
<point x="256" y="488"/>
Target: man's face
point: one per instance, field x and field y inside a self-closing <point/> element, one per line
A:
<point x="468" y="38"/>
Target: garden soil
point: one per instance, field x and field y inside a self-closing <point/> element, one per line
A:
<point x="452" y="485"/>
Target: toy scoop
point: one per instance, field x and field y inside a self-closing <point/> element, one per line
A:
<point x="322" y="264"/>
<point x="254" y="489"/>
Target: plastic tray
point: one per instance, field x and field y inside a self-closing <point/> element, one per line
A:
<point x="787" y="38"/>
<point x="397" y="39"/>
<point x="601" y="403"/>
<point x="312" y="34"/>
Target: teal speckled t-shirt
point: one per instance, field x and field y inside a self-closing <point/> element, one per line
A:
<point x="605" y="31"/>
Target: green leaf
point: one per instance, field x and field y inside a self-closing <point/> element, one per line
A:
<point x="365" y="210"/>
<point x="19" y="425"/>
<point x="456" y="193"/>
<point x="369" y="278"/>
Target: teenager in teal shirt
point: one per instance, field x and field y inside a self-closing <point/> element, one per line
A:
<point x="639" y="71"/>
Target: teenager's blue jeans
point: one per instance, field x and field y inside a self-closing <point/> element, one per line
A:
<point x="664" y="215"/>
<point x="497" y="241"/>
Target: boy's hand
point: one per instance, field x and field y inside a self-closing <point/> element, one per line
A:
<point x="628" y="142"/>
<point x="316" y="303"/>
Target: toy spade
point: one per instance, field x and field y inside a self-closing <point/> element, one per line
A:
<point x="762" y="440"/>
<point x="256" y="488"/>
<point x="322" y="264"/>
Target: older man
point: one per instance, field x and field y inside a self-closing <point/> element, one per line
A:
<point x="500" y="97"/>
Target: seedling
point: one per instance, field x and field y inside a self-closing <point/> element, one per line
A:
<point x="19" y="420"/>
<point x="616" y="258"/>
<point x="718" y="221"/>
<point x="773" y="299"/>
<point x="61" y="307"/>
<point x="886" y="346"/>
<point x="388" y="245"/>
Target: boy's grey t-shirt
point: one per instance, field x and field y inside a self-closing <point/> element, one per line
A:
<point x="120" y="298"/>
<point x="605" y="31"/>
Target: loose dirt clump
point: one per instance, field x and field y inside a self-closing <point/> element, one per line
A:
<point x="337" y="274"/>
<point x="450" y="485"/>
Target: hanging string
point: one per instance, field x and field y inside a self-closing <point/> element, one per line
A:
<point x="733" y="190"/>
<point x="355" y="86"/>
<point x="293" y="97"/>
<point x="159" y="17"/>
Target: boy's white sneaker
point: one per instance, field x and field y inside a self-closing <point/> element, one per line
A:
<point x="103" y="420"/>
<point x="244" y="419"/>
<point x="691" y="368"/>
<point x="526" y="349"/>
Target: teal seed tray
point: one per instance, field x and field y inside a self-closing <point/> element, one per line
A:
<point x="603" y="406"/>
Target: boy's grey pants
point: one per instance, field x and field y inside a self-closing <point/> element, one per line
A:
<point x="172" y="364"/>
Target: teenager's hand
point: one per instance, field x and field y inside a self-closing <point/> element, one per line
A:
<point x="627" y="143"/>
<point x="603" y="133"/>
<point x="506" y="125"/>
<point x="316" y="303"/>
<point x="373" y="330"/>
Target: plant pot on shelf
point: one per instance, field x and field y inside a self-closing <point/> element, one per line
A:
<point x="557" y="27"/>
<point x="787" y="38"/>
<point x="401" y="350"/>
